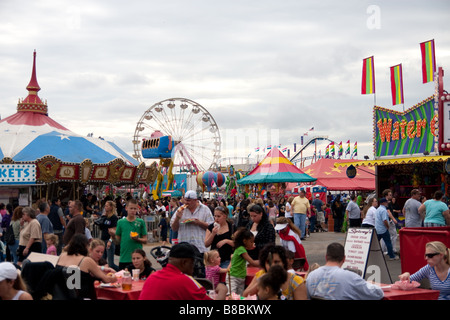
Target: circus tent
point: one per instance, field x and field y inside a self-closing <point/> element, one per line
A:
<point x="31" y="136"/>
<point x="335" y="178"/>
<point x="275" y="168"/>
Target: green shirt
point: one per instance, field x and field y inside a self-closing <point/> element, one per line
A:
<point x="128" y="245"/>
<point x="238" y="263"/>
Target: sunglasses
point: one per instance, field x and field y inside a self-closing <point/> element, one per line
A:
<point x="431" y="255"/>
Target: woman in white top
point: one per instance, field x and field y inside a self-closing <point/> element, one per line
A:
<point x="369" y="218"/>
<point x="288" y="210"/>
<point x="12" y="286"/>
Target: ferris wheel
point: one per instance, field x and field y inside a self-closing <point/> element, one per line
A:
<point x="192" y="128"/>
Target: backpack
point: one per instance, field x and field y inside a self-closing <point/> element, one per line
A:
<point x="10" y="239"/>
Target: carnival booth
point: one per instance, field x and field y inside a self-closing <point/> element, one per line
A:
<point x="275" y="169"/>
<point x="41" y="158"/>
<point x="411" y="151"/>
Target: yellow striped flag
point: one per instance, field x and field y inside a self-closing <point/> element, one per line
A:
<point x="397" y="84"/>
<point x="428" y="60"/>
<point x="368" y="76"/>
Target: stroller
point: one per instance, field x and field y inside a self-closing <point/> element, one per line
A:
<point x="162" y="253"/>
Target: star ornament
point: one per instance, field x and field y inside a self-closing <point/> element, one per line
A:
<point x="63" y="137"/>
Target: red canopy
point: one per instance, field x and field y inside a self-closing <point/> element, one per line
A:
<point x="335" y="179"/>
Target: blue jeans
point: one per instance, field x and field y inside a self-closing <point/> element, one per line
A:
<point x="13" y="250"/>
<point x="109" y="256"/>
<point x="312" y="221"/>
<point x="387" y="240"/>
<point x="300" y="222"/>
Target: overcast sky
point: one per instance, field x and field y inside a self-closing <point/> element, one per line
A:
<point x="282" y="65"/>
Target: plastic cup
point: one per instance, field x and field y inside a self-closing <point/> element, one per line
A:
<point x="136" y="273"/>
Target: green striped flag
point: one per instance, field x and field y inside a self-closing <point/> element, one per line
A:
<point x="428" y="61"/>
<point x="368" y="76"/>
<point x="397" y="85"/>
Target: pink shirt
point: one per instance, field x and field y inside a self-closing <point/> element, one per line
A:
<point x="51" y="250"/>
<point x="213" y="274"/>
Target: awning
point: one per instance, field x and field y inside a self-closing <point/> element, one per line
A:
<point x="393" y="161"/>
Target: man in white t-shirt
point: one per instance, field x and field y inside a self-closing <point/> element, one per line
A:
<point x="191" y="221"/>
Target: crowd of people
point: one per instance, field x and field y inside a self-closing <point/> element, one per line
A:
<point x="226" y="236"/>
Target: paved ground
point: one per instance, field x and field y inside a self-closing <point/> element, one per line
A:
<point x="315" y="247"/>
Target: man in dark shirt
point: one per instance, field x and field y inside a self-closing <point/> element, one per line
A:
<point x="56" y="216"/>
<point x="76" y="223"/>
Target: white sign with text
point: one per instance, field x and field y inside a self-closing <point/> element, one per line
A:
<point x="17" y="174"/>
<point x="357" y="246"/>
<point x="363" y="253"/>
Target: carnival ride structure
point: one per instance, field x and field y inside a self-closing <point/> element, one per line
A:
<point x="183" y="135"/>
<point x="298" y="158"/>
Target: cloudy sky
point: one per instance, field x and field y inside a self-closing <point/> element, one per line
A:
<point x="279" y="65"/>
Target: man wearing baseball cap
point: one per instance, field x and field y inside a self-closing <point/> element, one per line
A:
<point x="191" y="221"/>
<point x="382" y="227"/>
<point x="175" y="281"/>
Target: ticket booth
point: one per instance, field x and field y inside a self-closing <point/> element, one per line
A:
<point x="17" y="184"/>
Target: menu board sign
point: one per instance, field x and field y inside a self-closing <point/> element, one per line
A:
<point x="357" y="246"/>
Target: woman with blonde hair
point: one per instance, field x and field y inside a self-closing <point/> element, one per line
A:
<point x="437" y="270"/>
<point x="288" y="209"/>
<point x="107" y="224"/>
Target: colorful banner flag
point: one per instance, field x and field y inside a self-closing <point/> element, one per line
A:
<point x="355" y="150"/>
<point x="332" y="153"/>
<point x="295" y="146"/>
<point x="284" y="149"/>
<point x="269" y="147"/>
<point x="428" y="61"/>
<point x="368" y="76"/>
<point x="327" y="152"/>
<point x="257" y="149"/>
<point x="301" y="142"/>
<point x="348" y="148"/>
<point x="312" y="129"/>
<point x="341" y="150"/>
<point x="397" y="85"/>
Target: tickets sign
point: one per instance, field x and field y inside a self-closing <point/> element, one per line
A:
<point x="17" y="174"/>
<point x="405" y="133"/>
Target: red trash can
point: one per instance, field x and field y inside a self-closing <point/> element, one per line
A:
<point x="412" y="245"/>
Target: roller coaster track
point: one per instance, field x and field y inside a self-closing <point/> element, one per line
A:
<point x="312" y="140"/>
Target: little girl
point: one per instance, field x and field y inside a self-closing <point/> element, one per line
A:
<point x="243" y="240"/>
<point x="212" y="266"/>
<point x="269" y="285"/>
<point x="52" y="242"/>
